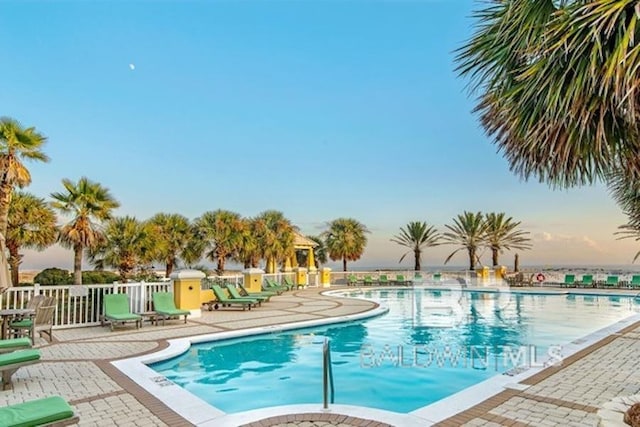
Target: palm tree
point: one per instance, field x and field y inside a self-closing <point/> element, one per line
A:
<point x="275" y="235"/>
<point x="16" y="143"/>
<point x="31" y="224"/>
<point x="88" y="203"/>
<point x="320" y="251"/>
<point x="346" y="239"/>
<point x="630" y="231"/>
<point x="124" y="246"/>
<point x="469" y="232"/>
<point x="416" y="236"/>
<point x="503" y="233"/>
<point x="557" y="83"/>
<point x="248" y="252"/>
<point x="169" y="234"/>
<point x="221" y="231"/>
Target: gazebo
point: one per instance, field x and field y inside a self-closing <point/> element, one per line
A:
<point x="301" y="243"/>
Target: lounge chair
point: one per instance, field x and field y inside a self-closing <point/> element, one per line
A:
<point x="635" y="281"/>
<point x="400" y="279"/>
<point x="587" y="281"/>
<point x="271" y="286"/>
<point x="437" y="277"/>
<point x="223" y="299"/>
<point x="569" y="281"/>
<point x="245" y="293"/>
<point x="368" y="280"/>
<point x="51" y="411"/>
<point x="116" y="310"/>
<point x="11" y="362"/>
<point x="13" y="344"/>
<point x="417" y="278"/>
<point x="41" y="322"/>
<point x="287" y="282"/>
<point x="165" y="307"/>
<point x="383" y="280"/>
<point x="234" y="294"/>
<point x="352" y="280"/>
<point x="612" y="281"/>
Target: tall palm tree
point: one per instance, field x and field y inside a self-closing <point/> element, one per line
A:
<point x="169" y="235"/>
<point x="469" y="232"/>
<point x="346" y="239"/>
<point x="89" y="203"/>
<point x="124" y="246"/>
<point x="416" y="236"/>
<point x="557" y="85"/>
<point x="275" y="235"/>
<point x="222" y="232"/>
<point x="503" y="233"/>
<point x="31" y="224"/>
<point x="16" y="143"/>
<point x="248" y="252"/>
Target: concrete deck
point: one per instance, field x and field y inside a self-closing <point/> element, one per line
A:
<point x="76" y="366"/>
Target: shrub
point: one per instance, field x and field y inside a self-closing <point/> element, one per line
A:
<point x="99" y="277"/>
<point x="53" y="276"/>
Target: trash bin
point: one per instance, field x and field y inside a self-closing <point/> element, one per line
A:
<point x="301" y="276"/>
<point x="325" y="277"/>
<point x="501" y="271"/>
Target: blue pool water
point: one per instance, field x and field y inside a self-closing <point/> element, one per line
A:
<point x="429" y="345"/>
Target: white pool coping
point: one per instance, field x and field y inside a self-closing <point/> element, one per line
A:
<point x="201" y="413"/>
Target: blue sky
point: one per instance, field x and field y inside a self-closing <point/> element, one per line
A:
<point x="320" y="109"/>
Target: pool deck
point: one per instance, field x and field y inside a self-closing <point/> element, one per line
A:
<point x="77" y="366"/>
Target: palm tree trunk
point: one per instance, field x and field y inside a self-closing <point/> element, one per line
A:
<point x="344" y="264"/>
<point x="169" y="268"/>
<point x="472" y="258"/>
<point x="494" y="256"/>
<point x="5" y="201"/>
<point x="78" y="250"/>
<point x="220" y="269"/>
<point x="417" y="256"/>
<point x="14" y="263"/>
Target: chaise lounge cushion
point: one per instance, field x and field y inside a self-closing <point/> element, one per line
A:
<point x="19" y="357"/>
<point x="35" y="412"/>
<point x="14" y="343"/>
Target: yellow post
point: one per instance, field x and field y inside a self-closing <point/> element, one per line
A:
<point x="325" y="277"/>
<point x="186" y="290"/>
<point x="253" y="279"/>
<point x="311" y="262"/>
<point x="287" y="265"/>
<point x="301" y="276"/>
<point x="271" y="266"/>
<point x="501" y="271"/>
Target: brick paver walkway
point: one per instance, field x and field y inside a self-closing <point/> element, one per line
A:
<point x="76" y="366"/>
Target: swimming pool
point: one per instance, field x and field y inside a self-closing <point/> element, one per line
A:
<point x="430" y="345"/>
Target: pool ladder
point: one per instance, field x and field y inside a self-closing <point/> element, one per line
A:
<point x="327" y="375"/>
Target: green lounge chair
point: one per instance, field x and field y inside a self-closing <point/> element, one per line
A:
<point x="270" y="285"/>
<point x="165" y="307"/>
<point x="234" y="294"/>
<point x="368" y="280"/>
<point x="569" y="281"/>
<point x="612" y="281"/>
<point x="13" y="344"/>
<point x="400" y="279"/>
<point x="417" y="278"/>
<point x="51" y="411"/>
<point x="116" y="310"/>
<point x="223" y="299"/>
<point x="11" y="362"/>
<point x="352" y="280"/>
<point x="587" y="281"/>
<point x="437" y="277"/>
<point x="287" y="282"/>
<point x="383" y="280"/>
<point x="635" y="281"/>
<point x="245" y="293"/>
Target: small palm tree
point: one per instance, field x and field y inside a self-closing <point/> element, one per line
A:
<point x="275" y="234"/>
<point x="345" y="239"/>
<point x="221" y="231"/>
<point x="320" y="251"/>
<point x="88" y="203"/>
<point x="469" y="232"/>
<point x="124" y="246"/>
<point x="169" y="235"/>
<point x="503" y="233"/>
<point x="416" y="236"/>
<point x="31" y="224"/>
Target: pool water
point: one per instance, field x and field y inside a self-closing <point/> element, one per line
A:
<point x="429" y="345"/>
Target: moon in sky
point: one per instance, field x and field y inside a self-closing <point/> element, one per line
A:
<point x="132" y="67"/>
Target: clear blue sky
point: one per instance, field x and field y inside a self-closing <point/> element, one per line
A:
<point x="320" y="109"/>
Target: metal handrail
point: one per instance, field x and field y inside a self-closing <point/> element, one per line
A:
<point x="327" y="375"/>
